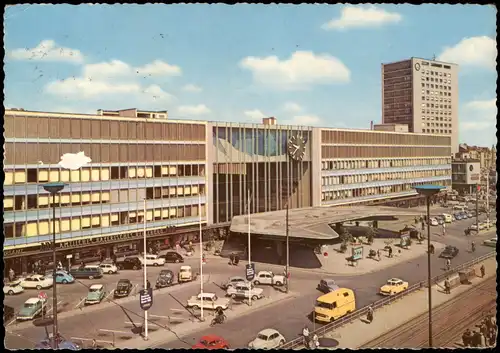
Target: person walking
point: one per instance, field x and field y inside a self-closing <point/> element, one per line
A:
<point x="466" y="338"/>
<point x="448" y="264"/>
<point x="473" y="246"/>
<point x="390" y="251"/>
<point x="369" y="315"/>
<point x="444" y="229"/>
<point x="12" y="275"/>
<point x="483" y="271"/>
<point x="447" y="286"/>
<point x="378" y="255"/>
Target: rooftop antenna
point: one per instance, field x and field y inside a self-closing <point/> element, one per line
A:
<point x="433" y="57"/>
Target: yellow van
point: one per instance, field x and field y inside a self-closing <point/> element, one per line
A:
<point x="447" y="217"/>
<point x="333" y="305"/>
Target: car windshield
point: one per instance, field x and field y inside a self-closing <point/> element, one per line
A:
<point x="262" y="337"/>
<point x="184" y="270"/>
<point x="95" y="290"/>
<point x="29" y="305"/>
<point x="166" y="274"/>
<point x="323" y="305"/>
<point x="122" y="284"/>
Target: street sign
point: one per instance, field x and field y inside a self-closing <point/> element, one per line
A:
<point x="357" y="252"/>
<point x="69" y="256"/>
<point x="146" y="298"/>
<point x="250" y="272"/>
<point x="42" y="295"/>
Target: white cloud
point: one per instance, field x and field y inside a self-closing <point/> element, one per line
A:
<point x="47" y="50"/>
<point x="159" y="68"/>
<point x="473" y="51"/>
<point x="255" y="114"/>
<point x="307" y="120"/>
<point x="192" y="88"/>
<point x="478" y="125"/>
<point x="301" y="70"/>
<point x="87" y="88"/>
<point x="107" y="70"/>
<point x="362" y="17"/>
<point x="292" y="107"/>
<point x="74" y="161"/>
<point x="188" y="110"/>
<point x="482" y="104"/>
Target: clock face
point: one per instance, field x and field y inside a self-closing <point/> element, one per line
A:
<point x="296" y="147"/>
<point x="417" y="66"/>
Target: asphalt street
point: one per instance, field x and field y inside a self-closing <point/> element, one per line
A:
<point x="288" y="317"/>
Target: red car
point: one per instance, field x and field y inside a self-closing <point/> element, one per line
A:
<point x="211" y="342"/>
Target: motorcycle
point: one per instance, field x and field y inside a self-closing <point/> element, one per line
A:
<point x="219" y="319"/>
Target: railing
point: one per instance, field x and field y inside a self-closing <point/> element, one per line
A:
<point x="321" y="331"/>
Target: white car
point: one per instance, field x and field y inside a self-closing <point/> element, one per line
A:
<point x="232" y="281"/>
<point x="108" y="268"/>
<point x="152" y="260"/>
<point x="208" y="301"/>
<point x="488" y="242"/>
<point x="267" y="277"/>
<point x="245" y="290"/>
<point x="12" y="288"/>
<point x="37" y="282"/>
<point x="267" y="339"/>
<point x="434" y="222"/>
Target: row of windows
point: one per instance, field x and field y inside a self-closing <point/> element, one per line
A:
<point x="34" y="175"/>
<point x="374" y="138"/>
<point x="29" y="202"/>
<point x="73" y="224"/>
<point x="435" y="112"/>
<point x="380" y="190"/>
<point x="365" y="178"/>
<point x="435" y="73"/>
<point x="436" y="131"/>
<point x="436" y="125"/>
<point x="382" y="163"/>
<point x="437" y="118"/>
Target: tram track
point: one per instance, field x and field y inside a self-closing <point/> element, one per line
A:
<point x="450" y="319"/>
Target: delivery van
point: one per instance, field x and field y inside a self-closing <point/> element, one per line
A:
<point x="447" y="217"/>
<point x="331" y="306"/>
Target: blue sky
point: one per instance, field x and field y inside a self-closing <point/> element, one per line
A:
<point x="309" y="64"/>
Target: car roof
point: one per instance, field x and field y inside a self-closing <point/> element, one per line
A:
<point x="268" y="331"/>
<point x="207" y="294"/>
<point x="32" y="301"/>
<point x="96" y="286"/>
<point x="36" y="276"/>
<point x="185" y="267"/>
<point x="395" y="279"/>
<point x="210" y="338"/>
<point x="328" y="280"/>
<point x="236" y="278"/>
<point x="123" y="280"/>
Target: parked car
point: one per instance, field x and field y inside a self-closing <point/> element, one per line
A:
<point x="473" y="213"/>
<point x="8" y="313"/>
<point x="12" y="288"/>
<point x="457" y="216"/>
<point x="173" y="257"/>
<point x="434" y="222"/>
<point x="37" y="282"/>
<point x="327" y="285"/>
<point x="185" y="274"/>
<point x="96" y="294"/>
<point x="165" y="279"/>
<point x="491" y="242"/>
<point x="108" y="268"/>
<point x="440" y="220"/>
<point x="210" y="301"/>
<point x="152" y="260"/>
<point x="88" y="271"/>
<point x="232" y="281"/>
<point x="32" y="308"/>
<point x="245" y="290"/>
<point x="123" y="288"/>
<point x="267" y="339"/>
<point x="129" y="263"/>
<point x="393" y="286"/>
<point x="267" y="277"/>
<point x="474" y="226"/>
<point x="469" y="214"/>
<point x="211" y="342"/>
<point x="449" y="252"/>
<point x="62" y="276"/>
<point x="47" y="343"/>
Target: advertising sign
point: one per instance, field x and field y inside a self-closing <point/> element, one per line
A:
<point x="405" y="239"/>
<point x="357" y="252"/>
<point x="146" y="298"/>
<point x="250" y="272"/>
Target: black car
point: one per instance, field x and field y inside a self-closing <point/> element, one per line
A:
<point x="449" y="252"/>
<point x="165" y="279"/>
<point x="172" y="256"/>
<point x="89" y="271"/>
<point x="129" y="263"/>
<point x="123" y="288"/>
<point x="8" y="313"/>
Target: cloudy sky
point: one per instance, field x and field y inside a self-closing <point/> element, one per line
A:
<point x="310" y="64"/>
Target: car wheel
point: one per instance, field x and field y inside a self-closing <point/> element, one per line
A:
<point x="110" y="272"/>
<point x="255" y="297"/>
<point x="39" y="287"/>
<point x="332" y="319"/>
<point x="64" y="281"/>
<point x="91" y="277"/>
<point x="120" y="267"/>
<point x="282" y="342"/>
<point x="225" y="347"/>
<point x="11" y="292"/>
<point x="278" y="283"/>
<point x="233" y="296"/>
<point x="155" y="264"/>
<point x="176" y="261"/>
<point x="196" y="307"/>
<point x="256" y="283"/>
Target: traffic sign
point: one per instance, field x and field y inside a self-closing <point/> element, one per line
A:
<point x="42" y="295"/>
<point x="146" y="298"/>
<point x="250" y="272"/>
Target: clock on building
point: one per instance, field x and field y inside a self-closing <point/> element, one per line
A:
<point x="296" y="147"/>
<point x="417" y="66"/>
<point x="471" y="167"/>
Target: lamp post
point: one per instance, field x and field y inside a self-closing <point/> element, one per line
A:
<point x="53" y="189"/>
<point x="428" y="191"/>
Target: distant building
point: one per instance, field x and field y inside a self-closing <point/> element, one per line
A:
<point x="422" y="94"/>
<point x="391" y="127"/>
<point x="465" y="175"/>
<point x="486" y="156"/>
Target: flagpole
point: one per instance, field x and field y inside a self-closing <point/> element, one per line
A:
<point x="249" y="250"/>
<point x="145" y="274"/>
<point x="201" y="256"/>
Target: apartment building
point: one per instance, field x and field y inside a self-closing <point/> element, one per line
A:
<point x="100" y="212"/>
<point x="422" y="94"/>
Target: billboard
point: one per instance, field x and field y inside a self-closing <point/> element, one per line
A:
<point x="473" y="171"/>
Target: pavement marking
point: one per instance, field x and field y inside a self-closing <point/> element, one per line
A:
<point x="79" y="303"/>
<point x="82" y="339"/>
<point x="51" y="308"/>
<point x="109" y="295"/>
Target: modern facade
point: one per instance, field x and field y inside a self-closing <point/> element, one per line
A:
<point x="230" y="167"/>
<point x="466" y="175"/>
<point x="422" y="94"/>
<point x="100" y="211"/>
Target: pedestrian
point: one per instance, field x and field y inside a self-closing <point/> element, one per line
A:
<point x="473" y="246"/>
<point x="12" y="275"/>
<point x="466" y="338"/>
<point x="423" y="225"/>
<point x="447" y="286"/>
<point x="448" y="264"/>
<point x="231" y="259"/>
<point x="236" y="259"/>
<point x="305" y="335"/>
<point x="482" y="340"/>
<point x="369" y="315"/>
<point x="148" y="284"/>
<point x="390" y="251"/>
<point x="444" y="229"/>
<point x="378" y="255"/>
<point x="476" y="339"/>
<point x="483" y="271"/>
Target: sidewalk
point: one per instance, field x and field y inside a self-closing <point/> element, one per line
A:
<point x="336" y="263"/>
<point x="392" y="316"/>
<point x="163" y="336"/>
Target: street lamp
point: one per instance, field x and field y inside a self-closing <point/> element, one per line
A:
<point x="428" y="191"/>
<point x="53" y="189"/>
